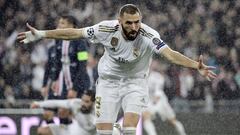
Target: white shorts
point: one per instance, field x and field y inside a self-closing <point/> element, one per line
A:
<point x="71" y="129"/>
<point x="131" y="94"/>
<point x="163" y="108"/>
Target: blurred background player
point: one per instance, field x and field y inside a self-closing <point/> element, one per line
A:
<point x="82" y="115"/>
<point x="65" y="73"/>
<point x="71" y="63"/>
<point x="159" y="103"/>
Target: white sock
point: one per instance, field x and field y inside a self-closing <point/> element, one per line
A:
<point x="116" y="129"/>
<point x="129" y="131"/>
<point x="104" y="132"/>
<point x="179" y="127"/>
<point x="149" y="127"/>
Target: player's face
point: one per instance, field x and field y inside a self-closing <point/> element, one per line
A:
<point x="63" y="23"/>
<point x="131" y="24"/>
<point x="86" y="104"/>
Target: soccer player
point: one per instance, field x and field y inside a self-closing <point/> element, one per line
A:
<point x="71" y="61"/>
<point x="159" y="104"/>
<point x="65" y="69"/>
<point x="82" y="111"/>
<point x="123" y="69"/>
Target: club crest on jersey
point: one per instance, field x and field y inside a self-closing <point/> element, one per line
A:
<point x="114" y="41"/>
<point x="136" y="52"/>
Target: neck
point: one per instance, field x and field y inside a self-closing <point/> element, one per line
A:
<point x="122" y="32"/>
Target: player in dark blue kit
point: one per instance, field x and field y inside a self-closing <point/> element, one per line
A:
<point x="71" y="68"/>
<point x="71" y="63"/>
<point x="65" y="73"/>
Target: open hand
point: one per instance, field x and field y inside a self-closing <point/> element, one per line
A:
<point x="30" y="36"/>
<point x="206" y="71"/>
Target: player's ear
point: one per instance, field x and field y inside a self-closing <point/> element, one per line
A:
<point x="119" y="20"/>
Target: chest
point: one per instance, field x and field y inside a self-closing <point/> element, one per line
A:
<point x="68" y="49"/>
<point x="67" y="52"/>
<point x="125" y="51"/>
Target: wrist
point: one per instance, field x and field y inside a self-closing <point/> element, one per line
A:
<point x="42" y="33"/>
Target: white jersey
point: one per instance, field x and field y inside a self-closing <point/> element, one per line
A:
<point x="85" y="121"/>
<point x="156" y="85"/>
<point x="124" y="58"/>
<point x="161" y="106"/>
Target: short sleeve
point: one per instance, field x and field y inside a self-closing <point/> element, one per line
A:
<point x="98" y="33"/>
<point x="157" y="44"/>
<point x="91" y="33"/>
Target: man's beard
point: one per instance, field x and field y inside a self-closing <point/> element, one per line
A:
<point x="85" y="110"/>
<point x="127" y="34"/>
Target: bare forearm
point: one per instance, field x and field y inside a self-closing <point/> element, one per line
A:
<point x="182" y="60"/>
<point x="54" y="103"/>
<point x="66" y="34"/>
<point x="179" y="59"/>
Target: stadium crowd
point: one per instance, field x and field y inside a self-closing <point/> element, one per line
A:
<point x="208" y="27"/>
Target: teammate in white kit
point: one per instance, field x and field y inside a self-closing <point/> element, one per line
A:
<point x="83" y="118"/>
<point x="129" y="45"/>
<point x="159" y="104"/>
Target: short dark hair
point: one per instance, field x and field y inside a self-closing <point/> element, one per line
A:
<point x="71" y="19"/>
<point x="90" y="93"/>
<point x="129" y="9"/>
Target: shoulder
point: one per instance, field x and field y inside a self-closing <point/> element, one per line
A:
<point x="58" y="42"/>
<point x="148" y="32"/>
<point x="109" y="23"/>
<point x="153" y="38"/>
<point x="108" y="26"/>
<point x="101" y="31"/>
<point x="58" y="45"/>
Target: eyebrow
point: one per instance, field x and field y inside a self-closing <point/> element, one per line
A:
<point x="130" y="22"/>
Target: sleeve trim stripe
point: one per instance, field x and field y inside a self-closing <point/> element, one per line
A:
<point x="144" y="33"/>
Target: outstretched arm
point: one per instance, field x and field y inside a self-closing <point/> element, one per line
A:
<point x="34" y="34"/>
<point x="180" y="59"/>
<point x="67" y="103"/>
<point x="52" y="104"/>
